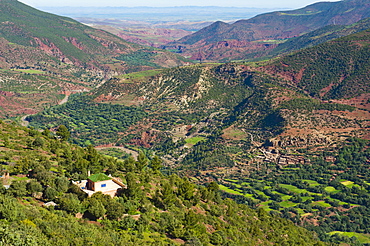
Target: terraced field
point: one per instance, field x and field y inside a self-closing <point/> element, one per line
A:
<point x="333" y="195"/>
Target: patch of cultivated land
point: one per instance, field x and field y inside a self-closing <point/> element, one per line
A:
<point x="363" y="238"/>
<point x="194" y="140"/>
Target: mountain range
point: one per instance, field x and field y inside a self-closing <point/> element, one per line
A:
<point x="224" y="42"/>
<point x="288" y="135"/>
<point x="51" y="55"/>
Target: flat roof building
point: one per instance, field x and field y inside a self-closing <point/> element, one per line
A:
<point x="101" y="182"/>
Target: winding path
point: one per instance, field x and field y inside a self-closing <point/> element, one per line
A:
<point x="64" y="100"/>
<point x="25" y="123"/>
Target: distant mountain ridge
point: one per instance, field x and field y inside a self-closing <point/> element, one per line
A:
<point x="45" y="55"/>
<point x="307" y="40"/>
<point x="281" y="25"/>
<point x="218" y="40"/>
<point x="66" y="39"/>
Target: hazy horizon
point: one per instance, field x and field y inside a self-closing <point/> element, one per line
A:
<point x="169" y="3"/>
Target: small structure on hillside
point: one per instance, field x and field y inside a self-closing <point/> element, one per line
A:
<point x="48" y="204"/>
<point x="101" y="182"/>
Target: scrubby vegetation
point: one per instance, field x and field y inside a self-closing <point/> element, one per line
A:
<point x="332" y="70"/>
<point x="311" y="104"/>
<point x="153" y="210"/>
<point x="257" y="129"/>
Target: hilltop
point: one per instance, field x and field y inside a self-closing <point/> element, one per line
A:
<point x="224" y="42"/>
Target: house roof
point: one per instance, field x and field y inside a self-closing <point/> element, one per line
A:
<point x="99" y="177"/>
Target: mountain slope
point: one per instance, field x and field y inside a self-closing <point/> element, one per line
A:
<point x="283" y="24"/>
<point x="322" y="90"/>
<point x="244" y="105"/>
<point x="334" y="70"/>
<point x="67" y="40"/>
<point x="154" y="209"/>
<point x="224" y="41"/>
<point x="44" y="57"/>
<point x="319" y="36"/>
<point x="309" y="39"/>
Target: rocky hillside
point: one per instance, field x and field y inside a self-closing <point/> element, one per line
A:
<point x="222" y="41"/>
<point x="65" y="40"/>
<point x="231" y="108"/>
<point x="61" y="55"/>
<point x="313" y="38"/>
<point x="334" y="70"/>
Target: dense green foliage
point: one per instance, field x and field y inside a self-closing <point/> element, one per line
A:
<point x="89" y="122"/>
<point x="153" y="210"/>
<point x="333" y="193"/>
<point x="311" y="104"/>
<point x="139" y="58"/>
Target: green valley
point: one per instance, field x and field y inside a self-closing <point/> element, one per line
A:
<point x="123" y="144"/>
<point x="266" y="140"/>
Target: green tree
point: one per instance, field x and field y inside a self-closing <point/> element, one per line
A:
<point x="127" y="223"/>
<point x="129" y="164"/>
<point x="38" y="142"/>
<point x="21" y="234"/>
<point x="18" y="188"/>
<point x="34" y="187"/>
<point x="70" y="203"/>
<point x="217" y="238"/>
<point x="133" y="190"/>
<point x="10" y="209"/>
<point x="61" y="184"/>
<point x="63" y="133"/>
<point x="50" y="193"/>
<point x="114" y="209"/>
<point x="142" y="161"/>
<point x="96" y="208"/>
<point x="156" y="163"/>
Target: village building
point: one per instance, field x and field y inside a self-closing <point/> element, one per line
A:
<point x="101" y="182"/>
